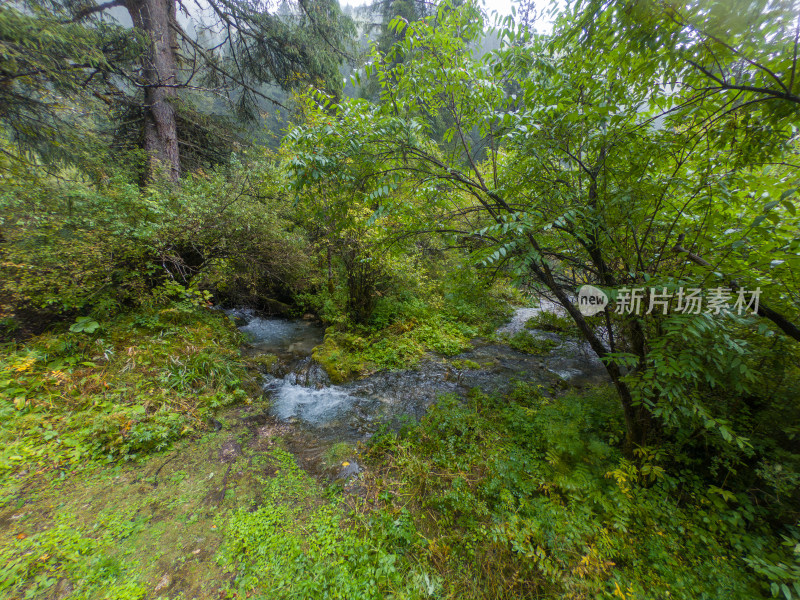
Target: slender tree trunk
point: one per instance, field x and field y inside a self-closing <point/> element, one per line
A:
<point x="635" y="420"/>
<point x="155" y="17"/>
<point x="635" y="417"/>
<point x="330" y="270"/>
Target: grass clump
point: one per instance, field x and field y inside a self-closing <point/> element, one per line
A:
<point x="550" y="321"/>
<point x="338" y="453"/>
<point x="522" y="341"/>
<point x="465" y="364"/>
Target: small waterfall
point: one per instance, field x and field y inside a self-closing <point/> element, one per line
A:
<point x="315" y="406"/>
<point x="305" y="393"/>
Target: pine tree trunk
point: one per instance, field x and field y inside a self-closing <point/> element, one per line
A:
<point x="155" y="18"/>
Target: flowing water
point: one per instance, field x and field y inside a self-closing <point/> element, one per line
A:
<point x="320" y="414"/>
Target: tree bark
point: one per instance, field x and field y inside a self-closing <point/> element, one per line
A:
<point x="155" y="17"/>
<point x="636" y="417"/>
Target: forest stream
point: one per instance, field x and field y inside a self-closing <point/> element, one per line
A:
<point x="405" y="174"/>
<point x="320" y="414"/>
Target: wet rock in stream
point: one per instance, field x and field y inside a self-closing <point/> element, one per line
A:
<point x="351" y="469"/>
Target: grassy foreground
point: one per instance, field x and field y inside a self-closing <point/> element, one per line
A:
<point x="137" y="463"/>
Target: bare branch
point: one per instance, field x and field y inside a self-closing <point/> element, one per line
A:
<point x="82" y="14"/>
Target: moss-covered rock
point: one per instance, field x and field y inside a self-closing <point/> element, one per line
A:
<point x="340" y="357"/>
<point x="465" y="364"/>
<point x="266" y="363"/>
<point x="549" y="321"/>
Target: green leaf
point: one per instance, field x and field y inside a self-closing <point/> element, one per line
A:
<point x="84" y="325"/>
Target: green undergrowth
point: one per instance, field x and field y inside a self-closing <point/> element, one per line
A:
<point x="530" y="497"/>
<point x="404" y="329"/>
<point x="64" y="552"/>
<point x="299" y="543"/>
<point x="193" y="522"/>
<point x="346" y="355"/>
<point x="226" y="515"/>
<point x="124" y="532"/>
<point x="116" y="389"/>
<point x="522" y="341"/>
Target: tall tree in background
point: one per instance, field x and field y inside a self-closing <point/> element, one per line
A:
<point x="230" y="48"/>
<point x="157" y="18"/>
<point x="410" y="10"/>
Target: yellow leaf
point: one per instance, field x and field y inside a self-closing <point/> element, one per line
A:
<point x="619" y="592"/>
